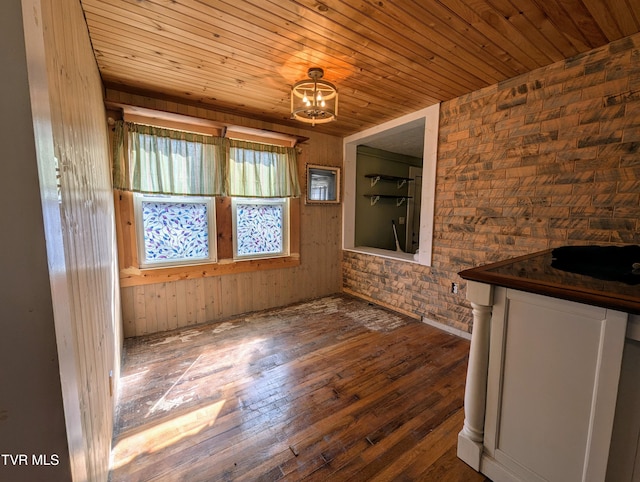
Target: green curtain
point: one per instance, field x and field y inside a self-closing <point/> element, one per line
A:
<point x="262" y="170"/>
<point x="120" y="163"/>
<point x="164" y="161"/>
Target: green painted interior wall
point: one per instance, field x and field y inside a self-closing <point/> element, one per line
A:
<point x="374" y="223"/>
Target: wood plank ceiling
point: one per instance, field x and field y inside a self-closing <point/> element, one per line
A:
<point x="386" y="57"/>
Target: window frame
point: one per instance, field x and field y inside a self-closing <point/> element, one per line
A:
<point x="139" y="198"/>
<point x="286" y="223"/>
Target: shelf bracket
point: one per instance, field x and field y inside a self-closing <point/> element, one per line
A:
<point x="401" y="183"/>
<point x="374" y="180"/>
<point x="400" y="201"/>
<point x="374" y="200"/>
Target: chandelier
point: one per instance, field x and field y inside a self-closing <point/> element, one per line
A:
<point x="313" y="100"/>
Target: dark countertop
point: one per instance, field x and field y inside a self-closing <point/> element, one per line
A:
<point x="534" y="273"/>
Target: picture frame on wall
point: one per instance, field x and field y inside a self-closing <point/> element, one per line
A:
<point x="323" y="184"/>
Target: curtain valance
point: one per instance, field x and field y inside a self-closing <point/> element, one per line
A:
<point x="156" y="160"/>
<point x="164" y="161"/>
<point x="262" y="170"/>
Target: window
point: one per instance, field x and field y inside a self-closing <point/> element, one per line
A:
<point x="175" y="230"/>
<point x="175" y="205"/>
<point x="260" y="228"/>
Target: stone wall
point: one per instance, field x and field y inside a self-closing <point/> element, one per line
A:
<point x="546" y="159"/>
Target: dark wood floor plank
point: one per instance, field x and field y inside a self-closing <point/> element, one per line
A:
<point x="425" y="453"/>
<point x="404" y="400"/>
<point x="331" y="389"/>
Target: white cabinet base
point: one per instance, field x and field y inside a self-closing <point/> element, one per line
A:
<point x="551" y="388"/>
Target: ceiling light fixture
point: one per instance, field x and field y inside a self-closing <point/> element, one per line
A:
<point x="314" y="101"/>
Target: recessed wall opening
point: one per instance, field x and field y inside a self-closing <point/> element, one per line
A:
<point x="388" y="200"/>
<point x="389" y="175"/>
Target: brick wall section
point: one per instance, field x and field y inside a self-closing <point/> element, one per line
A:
<point x="549" y="158"/>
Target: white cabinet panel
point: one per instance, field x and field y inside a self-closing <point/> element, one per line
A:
<point x="553" y="375"/>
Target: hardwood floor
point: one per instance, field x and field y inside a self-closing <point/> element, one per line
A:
<point x="331" y="389"/>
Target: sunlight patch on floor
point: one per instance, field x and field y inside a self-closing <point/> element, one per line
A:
<point x="164" y="434"/>
<point x="163" y="403"/>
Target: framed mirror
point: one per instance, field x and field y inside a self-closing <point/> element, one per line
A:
<point x="323" y="184"/>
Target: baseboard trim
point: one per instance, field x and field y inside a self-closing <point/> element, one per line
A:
<point x="435" y="324"/>
<point x="381" y="303"/>
<point x="447" y="328"/>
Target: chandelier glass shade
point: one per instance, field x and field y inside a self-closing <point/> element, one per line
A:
<point x="313" y="100"/>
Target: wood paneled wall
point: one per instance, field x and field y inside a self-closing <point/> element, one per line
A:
<point x="164" y="306"/>
<point x="546" y="159"/>
<point x="88" y="234"/>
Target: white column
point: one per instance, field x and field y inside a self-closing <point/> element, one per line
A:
<point x="470" y="438"/>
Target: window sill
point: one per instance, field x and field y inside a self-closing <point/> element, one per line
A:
<point x="136" y="276"/>
<point x="384" y="253"/>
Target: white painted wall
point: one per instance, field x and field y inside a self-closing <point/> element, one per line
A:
<point x="32" y="418"/>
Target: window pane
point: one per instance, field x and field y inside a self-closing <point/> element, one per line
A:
<point x="259" y="229"/>
<point x="175" y="231"/>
